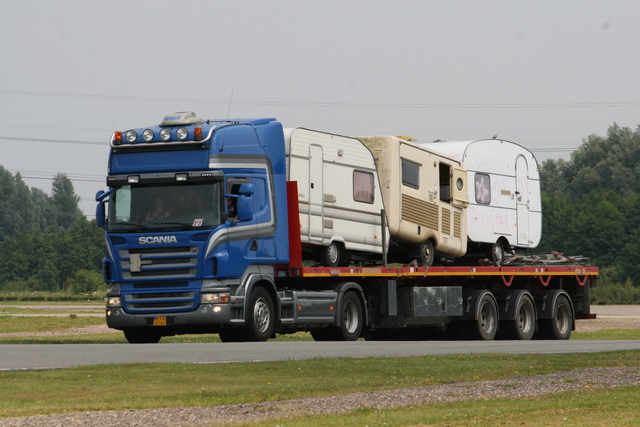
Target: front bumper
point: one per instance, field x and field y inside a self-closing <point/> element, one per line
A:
<point x="206" y="316"/>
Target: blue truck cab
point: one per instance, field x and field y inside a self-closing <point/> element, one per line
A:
<point x="193" y="229"/>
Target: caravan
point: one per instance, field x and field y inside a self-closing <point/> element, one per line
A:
<point x="504" y="194"/>
<point x="338" y="196"/>
<point x="425" y="197"/>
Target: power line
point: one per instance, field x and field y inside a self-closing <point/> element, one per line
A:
<point x="336" y="104"/>
<point x="57" y="141"/>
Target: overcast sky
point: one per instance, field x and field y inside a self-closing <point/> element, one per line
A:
<point x="545" y="74"/>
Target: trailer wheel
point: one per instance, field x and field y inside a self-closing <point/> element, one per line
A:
<point x="142" y="336"/>
<point x="560" y="325"/>
<point x="497" y="252"/>
<point x="261" y="317"/>
<point x="330" y="255"/>
<point x="524" y="325"/>
<point x="427" y="253"/>
<point x="486" y="325"/>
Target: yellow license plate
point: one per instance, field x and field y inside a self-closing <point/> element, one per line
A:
<point x="159" y="321"/>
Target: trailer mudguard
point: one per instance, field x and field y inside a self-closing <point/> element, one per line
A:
<point x="545" y="301"/>
<point x="508" y="302"/>
<point x="471" y="300"/>
<point x="342" y="288"/>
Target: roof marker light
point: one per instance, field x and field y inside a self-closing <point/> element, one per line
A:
<point x="197" y="134"/>
<point x="182" y="134"/>
<point x="147" y="135"/>
<point x="165" y="134"/>
<point x="131" y="136"/>
<point x="117" y="138"/>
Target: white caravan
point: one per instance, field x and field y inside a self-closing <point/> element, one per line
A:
<point x="425" y="197"/>
<point x="504" y="194"/>
<point x="338" y="196"/>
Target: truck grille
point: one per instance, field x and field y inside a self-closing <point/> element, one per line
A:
<point x="159" y="301"/>
<point x="162" y="262"/>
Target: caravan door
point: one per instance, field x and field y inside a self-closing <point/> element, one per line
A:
<point x="522" y="201"/>
<point x="316" y="193"/>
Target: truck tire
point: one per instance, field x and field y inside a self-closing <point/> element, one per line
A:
<point x="351" y="319"/>
<point x="142" y="336"/>
<point x="486" y="325"/>
<point x="260" y="322"/>
<point x="524" y="324"/>
<point x="560" y="325"/>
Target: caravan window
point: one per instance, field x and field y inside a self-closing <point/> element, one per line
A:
<point x="483" y="189"/>
<point x="363" y="185"/>
<point x="410" y="174"/>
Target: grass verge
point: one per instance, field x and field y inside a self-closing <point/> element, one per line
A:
<point x="137" y="386"/>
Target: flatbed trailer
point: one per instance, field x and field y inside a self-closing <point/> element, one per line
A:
<point x="457" y="302"/>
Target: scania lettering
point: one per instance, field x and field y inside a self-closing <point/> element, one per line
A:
<point x="157" y="239"/>
<point x="246" y="229"/>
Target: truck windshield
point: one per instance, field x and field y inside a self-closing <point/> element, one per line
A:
<point x="165" y="207"/>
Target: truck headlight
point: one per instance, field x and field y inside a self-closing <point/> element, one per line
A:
<point x="113" y="302"/>
<point x="165" y="134"/>
<point x="182" y="134"/>
<point x="214" y="298"/>
<point x="131" y="136"/>
<point x="147" y="135"/>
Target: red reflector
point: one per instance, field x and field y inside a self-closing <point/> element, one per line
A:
<point x="197" y="134"/>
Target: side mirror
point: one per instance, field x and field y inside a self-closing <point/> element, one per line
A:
<point x="245" y="202"/>
<point x="100" y="215"/>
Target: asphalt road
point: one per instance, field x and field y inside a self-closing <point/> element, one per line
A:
<point x="53" y="356"/>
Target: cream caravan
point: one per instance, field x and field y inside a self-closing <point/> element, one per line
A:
<point x="338" y="196"/>
<point x="425" y="198"/>
<point x="504" y="194"/>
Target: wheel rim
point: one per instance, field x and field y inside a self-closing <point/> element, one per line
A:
<point x="427" y="250"/>
<point x="350" y="317"/>
<point x="261" y="314"/>
<point x="562" y="319"/>
<point x="332" y="253"/>
<point x="487" y="319"/>
<point x="525" y="318"/>
<point x="497" y="252"/>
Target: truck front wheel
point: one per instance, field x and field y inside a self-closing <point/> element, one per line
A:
<point x="261" y="317"/>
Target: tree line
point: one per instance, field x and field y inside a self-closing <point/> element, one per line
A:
<point x="590" y="207"/>
<point x="46" y="243"/>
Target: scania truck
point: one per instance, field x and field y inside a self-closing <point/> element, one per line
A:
<point x="248" y="230"/>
